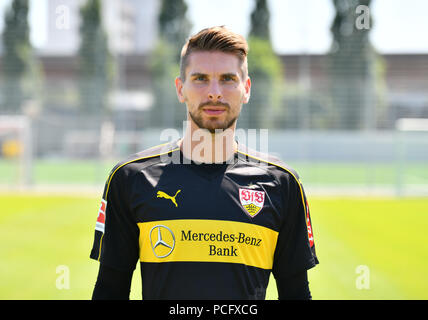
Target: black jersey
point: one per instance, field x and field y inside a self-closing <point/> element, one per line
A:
<point x="204" y="231"/>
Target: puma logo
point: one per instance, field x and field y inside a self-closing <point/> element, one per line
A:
<point x="162" y="194"/>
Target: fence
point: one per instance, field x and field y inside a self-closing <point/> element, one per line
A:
<point x="68" y="152"/>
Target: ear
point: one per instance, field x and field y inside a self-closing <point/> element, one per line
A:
<point x="247" y="92"/>
<point x="179" y="89"/>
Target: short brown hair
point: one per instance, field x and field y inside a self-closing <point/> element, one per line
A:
<point x="215" y="39"/>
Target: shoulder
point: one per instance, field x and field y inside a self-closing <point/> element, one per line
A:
<point x="284" y="174"/>
<point x="142" y="159"/>
<point x="272" y="163"/>
<point x="151" y="155"/>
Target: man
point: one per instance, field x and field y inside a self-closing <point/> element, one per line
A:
<point x="206" y="217"/>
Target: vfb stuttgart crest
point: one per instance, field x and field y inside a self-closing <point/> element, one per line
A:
<point x="252" y="201"/>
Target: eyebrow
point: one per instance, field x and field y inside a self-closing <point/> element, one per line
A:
<point x="198" y="74"/>
<point x="229" y="74"/>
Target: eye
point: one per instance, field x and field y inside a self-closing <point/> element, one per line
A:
<point x="200" y="78"/>
<point x="228" y="78"/>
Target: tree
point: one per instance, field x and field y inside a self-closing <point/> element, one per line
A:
<point x="265" y="70"/>
<point x="174" y="28"/>
<point x="166" y="110"/>
<point x="260" y="20"/>
<point x="352" y="65"/>
<point x="16" y="55"/>
<point x="95" y="61"/>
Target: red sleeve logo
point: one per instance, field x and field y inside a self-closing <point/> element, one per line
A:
<point x="308" y="224"/>
<point x="100" y="225"/>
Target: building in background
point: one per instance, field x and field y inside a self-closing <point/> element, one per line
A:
<point x="131" y="26"/>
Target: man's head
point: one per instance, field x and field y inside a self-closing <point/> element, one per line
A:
<point x="214" y="80"/>
<point x="215" y="39"/>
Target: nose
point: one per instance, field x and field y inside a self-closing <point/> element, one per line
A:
<point x="214" y="92"/>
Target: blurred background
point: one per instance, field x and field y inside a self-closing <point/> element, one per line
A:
<point x="341" y="85"/>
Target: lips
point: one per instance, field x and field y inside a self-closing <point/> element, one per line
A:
<point x="214" y="111"/>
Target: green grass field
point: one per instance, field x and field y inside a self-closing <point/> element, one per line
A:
<point x="39" y="233"/>
<point x="330" y="174"/>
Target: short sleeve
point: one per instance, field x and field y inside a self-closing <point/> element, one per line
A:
<point x="295" y="250"/>
<point x="116" y="231"/>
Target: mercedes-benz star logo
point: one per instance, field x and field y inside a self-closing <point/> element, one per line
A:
<point x="168" y="243"/>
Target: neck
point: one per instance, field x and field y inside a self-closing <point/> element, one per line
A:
<point x="200" y="145"/>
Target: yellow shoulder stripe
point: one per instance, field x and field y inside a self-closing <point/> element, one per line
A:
<point x="133" y="160"/>
<point x="287" y="170"/>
